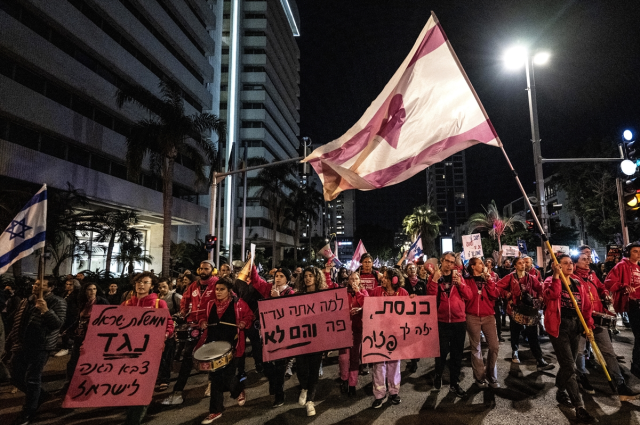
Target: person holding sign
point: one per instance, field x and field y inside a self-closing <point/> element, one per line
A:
<point x="524" y="292"/>
<point x="143" y="283"/>
<point x="564" y="328"/>
<point x="349" y="358"/>
<point x="33" y="337"/>
<point x="311" y="280"/>
<point x="416" y="286"/>
<point x="452" y="294"/>
<point x="227" y="317"/>
<point x="481" y="317"/>
<point x="387" y="374"/>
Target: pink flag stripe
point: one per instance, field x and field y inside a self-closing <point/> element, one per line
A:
<point x="433" y="39"/>
<point x="347" y="179"/>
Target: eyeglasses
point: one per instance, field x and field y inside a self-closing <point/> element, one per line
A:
<point x="145" y="282"/>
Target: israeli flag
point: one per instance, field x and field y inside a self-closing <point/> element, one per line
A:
<point x="594" y="257"/>
<point x="416" y="249"/>
<point x="376" y="263"/>
<point x="26" y="232"/>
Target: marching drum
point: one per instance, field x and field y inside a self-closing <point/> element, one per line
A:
<point x="526" y="315"/>
<point x="604" y="320"/>
<point x="188" y="332"/>
<point x="212" y="356"/>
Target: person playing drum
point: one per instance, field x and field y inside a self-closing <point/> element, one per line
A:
<point x="598" y="291"/>
<point x="227" y="317"/>
<point x="524" y="294"/>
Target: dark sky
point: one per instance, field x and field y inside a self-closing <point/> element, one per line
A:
<point x="590" y="87"/>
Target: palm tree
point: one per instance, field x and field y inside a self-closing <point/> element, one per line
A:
<point x="164" y="136"/>
<point x="275" y="184"/>
<point x="132" y="251"/>
<point x="304" y="203"/>
<point x="114" y="226"/>
<point x="423" y="221"/>
<point x="492" y="222"/>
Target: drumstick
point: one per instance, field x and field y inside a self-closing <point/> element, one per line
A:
<point x="224" y="323"/>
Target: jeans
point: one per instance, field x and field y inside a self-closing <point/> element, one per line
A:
<point x="451" y="337"/>
<point x="26" y="375"/>
<point x="256" y="344"/>
<point x="164" y="373"/>
<point x="186" y="366"/>
<point x="566" y="348"/>
<point x="601" y="336"/>
<point x="497" y="308"/>
<point x="531" y="332"/>
<point x="487" y="325"/>
<point x="308" y="370"/>
<point x="222" y="380"/>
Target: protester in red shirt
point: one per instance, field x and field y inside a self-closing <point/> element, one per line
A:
<point x="481" y="317"/>
<point x="349" y="358"/>
<point x="565" y="328"/>
<point x="452" y="293"/>
<point x="369" y="277"/>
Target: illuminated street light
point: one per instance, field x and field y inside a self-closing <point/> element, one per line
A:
<point x="541" y="58"/>
<point x="628" y="135"/>
<point x="628" y="167"/>
<point x="515" y="57"/>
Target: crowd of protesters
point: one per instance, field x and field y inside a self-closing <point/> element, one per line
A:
<point x="474" y="300"/>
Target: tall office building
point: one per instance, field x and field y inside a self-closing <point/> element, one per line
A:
<point x="447" y="192"/>
<point x="260" y="98"/>
<point x="341" y="217"/>
<point x="61" y="63"/>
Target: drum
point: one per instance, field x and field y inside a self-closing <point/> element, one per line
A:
<point x="188" y="332"/>
<point x="526" y="315"/>
<point x="604" y="320"/>
<point x="212" y="356"/>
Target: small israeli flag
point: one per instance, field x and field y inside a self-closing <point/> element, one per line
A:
<point x="26" y="232"/>
<point x="415" y="250"/>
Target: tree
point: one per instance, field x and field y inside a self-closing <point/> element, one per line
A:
<point x="591" y="191"/>
<point x="164" y="136"/>
<point x="492" y="222"/>
<point x="114" y="226"/>
<point x="423" y="221"/>
<point x="275" y="183"/>
<point x="132" y="251"/>
<point x="303" y="206"/>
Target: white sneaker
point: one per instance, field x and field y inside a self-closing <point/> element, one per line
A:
<point x="311" y="409"/>
<point x="207" y="392"/>
<point x="174" y="399"/>
<point x="61" y="353"/>
<point x="288" y="372"/>
<point x="303" y="397"/>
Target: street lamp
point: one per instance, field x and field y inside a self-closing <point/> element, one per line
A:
<point x="514" y="58"/>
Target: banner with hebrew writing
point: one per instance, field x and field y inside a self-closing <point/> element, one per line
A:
<point x="119" y="358"/>
<point x="306" y="323"/>
<point x="397" y="328"/>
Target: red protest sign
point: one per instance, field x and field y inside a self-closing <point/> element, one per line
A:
<point x="307" y="323"/>
<point x="396" y="328"/>
<point x="119" y="358"/>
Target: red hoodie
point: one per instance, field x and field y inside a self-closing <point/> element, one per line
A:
<point x="451" y="308"/>
<point x="357" y="301"/>
<point x="552" y="292"/>
<point x="192" y="298"/>
<point x="623" y="274"/>
<point x="596" y="289"/>
<point x="151" y="301"/>
<point x="482" y="302"/>
<point x="510" y="283"/>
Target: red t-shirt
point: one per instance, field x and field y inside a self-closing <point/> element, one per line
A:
<point x="369" y="281"/>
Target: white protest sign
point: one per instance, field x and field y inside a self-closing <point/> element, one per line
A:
<point x="472" y="246"/>
<point x="510" y="251"/>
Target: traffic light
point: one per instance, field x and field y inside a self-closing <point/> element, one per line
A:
<point x="306" y="150"/>
<point x="631" y="192"/>
<point x="210" y="242"/>
<point x="529" y="220"/>
<point x="630" y="151"/>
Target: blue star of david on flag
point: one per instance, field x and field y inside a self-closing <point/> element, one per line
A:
<point x="416" y="249"/>
<point x="26" y="232"/>
<point x="522" y="246"/>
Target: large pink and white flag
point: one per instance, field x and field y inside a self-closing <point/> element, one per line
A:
<point x="426" y="113"/>
<point x="355" y="260"/>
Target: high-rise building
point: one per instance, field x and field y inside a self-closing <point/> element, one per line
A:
<point x="260" y="98"/>
<point x="61" y="63"/>
<point x="341" y="217"/>
<point x="447" y="192"/>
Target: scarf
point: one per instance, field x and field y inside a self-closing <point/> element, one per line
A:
<point x="413" y="280"/>
<point x="582" y="273"/>
<point x="221" y="306"/>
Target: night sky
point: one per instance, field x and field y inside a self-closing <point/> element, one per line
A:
<point x="589" y="88"/>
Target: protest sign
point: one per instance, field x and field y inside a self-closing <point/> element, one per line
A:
<point x="120" y="357"/>
<point x="306" y="323"/>
<point x="472" y="245"/>
<point x="510" y="251"/>
<point x="396" y="328"/>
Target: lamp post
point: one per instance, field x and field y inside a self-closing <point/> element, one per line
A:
<point x="514" y="58"/>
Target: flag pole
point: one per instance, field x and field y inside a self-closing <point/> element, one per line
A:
<point x="588" y="332"/>
<point x="41" y="265"/>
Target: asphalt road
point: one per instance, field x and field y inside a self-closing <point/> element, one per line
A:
<point x="526" y="396"/>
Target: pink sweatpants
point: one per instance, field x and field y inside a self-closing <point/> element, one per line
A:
<point x="386" y="374"/>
